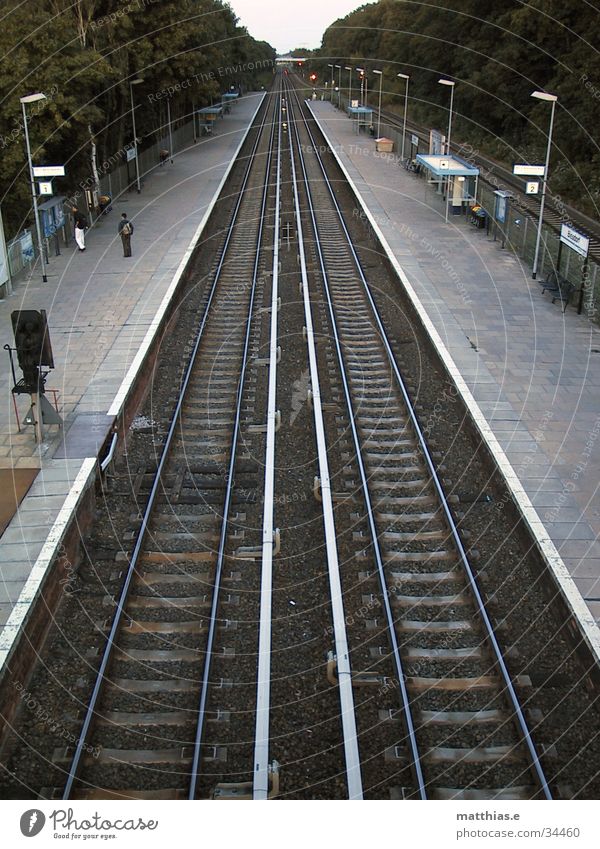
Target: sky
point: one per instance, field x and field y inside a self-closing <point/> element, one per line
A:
<point x="286" y="25"/>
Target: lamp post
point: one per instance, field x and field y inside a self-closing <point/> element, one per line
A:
<point x="137" y="81"/>
<point x="34" y="98"/>
<point x="407" y="78"/>
<point x="349" y="69"/>
<point x="330" y="65"/>
<point x="448" y="138"/>
<point x="170" y="132"/>
<point x="550" y="98"/>
<point x="340" y="88"/>
<point x="379" y="109"/>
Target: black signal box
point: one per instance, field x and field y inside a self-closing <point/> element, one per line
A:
<point x="32" y="342"/>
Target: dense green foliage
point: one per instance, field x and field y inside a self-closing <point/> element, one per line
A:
<point x="82" y="54"/>
<point x="497" y="53"/>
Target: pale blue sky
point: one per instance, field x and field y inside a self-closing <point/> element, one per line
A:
<point x="286" y="25"/>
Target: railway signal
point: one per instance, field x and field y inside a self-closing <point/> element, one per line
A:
<point x="313" y="78"/>
<point x="34" y="352"/>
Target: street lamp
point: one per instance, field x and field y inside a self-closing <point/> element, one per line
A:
<point x="407" y="78"/>
<point x="137" y="164"/>
<point x="349" y="69"/>
<point x="330" y="65"/>
<point x="34" y="98"/>
<point x="550" y="98"/>
<point x="451" y="84"/>
<point x="340" y="88"/>
<point x="379" y="109"/>
<point x="170" y="131"/>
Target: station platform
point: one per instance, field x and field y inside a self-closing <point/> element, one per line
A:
<point x="103" y="310"/>
<point x="530" y="368"/>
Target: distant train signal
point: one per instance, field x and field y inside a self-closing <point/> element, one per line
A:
<point x="313" y="78"/>
<point x="32" y="342"/>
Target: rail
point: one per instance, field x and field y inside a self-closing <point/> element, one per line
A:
<point x="344" y="671"/>
<point x="263" y="693"/>
<point x="481" y="609"/>
<point x="156" y="486"/>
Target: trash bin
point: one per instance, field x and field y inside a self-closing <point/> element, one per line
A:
<point x="477" y="216"/>
<point x="383" y="145"/>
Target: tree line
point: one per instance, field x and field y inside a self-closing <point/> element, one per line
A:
<point x="82" y="54"/>
<point x="498" y="54"/>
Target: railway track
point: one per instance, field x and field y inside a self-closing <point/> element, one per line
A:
<point x="160" y="708"/>
<point x="459" y="721"/>
<point x="360" y="654"/>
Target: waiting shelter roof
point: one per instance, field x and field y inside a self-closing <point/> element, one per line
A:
<point x="441" y="165"/>
<point x="359" y="110"/>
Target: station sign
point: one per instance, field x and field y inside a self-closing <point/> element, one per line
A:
<point x="529" y="170"/>
<point x="532" y="187"/>
<point x="414" y="140"/>
<point x="45" y="187"/>
<point x="131" y="153"/>
<point x="574" y="239"/>
<point x="48" y="170"/>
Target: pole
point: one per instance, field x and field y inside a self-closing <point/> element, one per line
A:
<point x="379" y="107"/>
<point x="170" y="132"/>
<point x="350" y="88"/>
<point x="3" y="248"/>
<point x="340" y="90"/>
<point x="450" y="121"/>
<point x="448" y="148"/>
<point x="34" y="196"/>
<point x="404" y="126"/>
<point x="137" y="164"/>
<point x="543" y="200"/>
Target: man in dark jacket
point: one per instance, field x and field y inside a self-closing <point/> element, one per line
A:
<point x="125" y="231"/>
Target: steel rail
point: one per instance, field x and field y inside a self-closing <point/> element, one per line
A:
<point x="229" y="492"/>
<point x="400" y="674"/>
<point x="141" y="536"/>
<point x="344" y="671"/>
<point x="481" y="608"/>
<point x="263" y="686"/>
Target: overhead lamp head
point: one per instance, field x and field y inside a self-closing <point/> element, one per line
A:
<point x="377" y="72"/>
<point x="403" y="76"/>
<point x="445" y="82"/>
<point x="137" y="81"/>
<point x="543" y="95"/>
<point x="33" y="98"/>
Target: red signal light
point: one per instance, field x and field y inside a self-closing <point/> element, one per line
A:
<point x="313" y="77"/>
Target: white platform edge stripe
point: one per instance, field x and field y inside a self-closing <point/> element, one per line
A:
<point x="565" y="582"/>
<point x="131" y="375"/>
<point x="44" y="560"/>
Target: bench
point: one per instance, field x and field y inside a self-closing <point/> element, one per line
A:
<point x="559" y="287"/>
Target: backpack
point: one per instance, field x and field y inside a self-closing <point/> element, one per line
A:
<point x="126" y="230"/>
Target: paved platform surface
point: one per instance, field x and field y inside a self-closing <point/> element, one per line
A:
<point x="533" y="371"/>
<point x="100" y="306"/>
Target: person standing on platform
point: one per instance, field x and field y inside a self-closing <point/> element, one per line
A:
<point x="81" y="225"/>
<point x="126" y="231"/>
